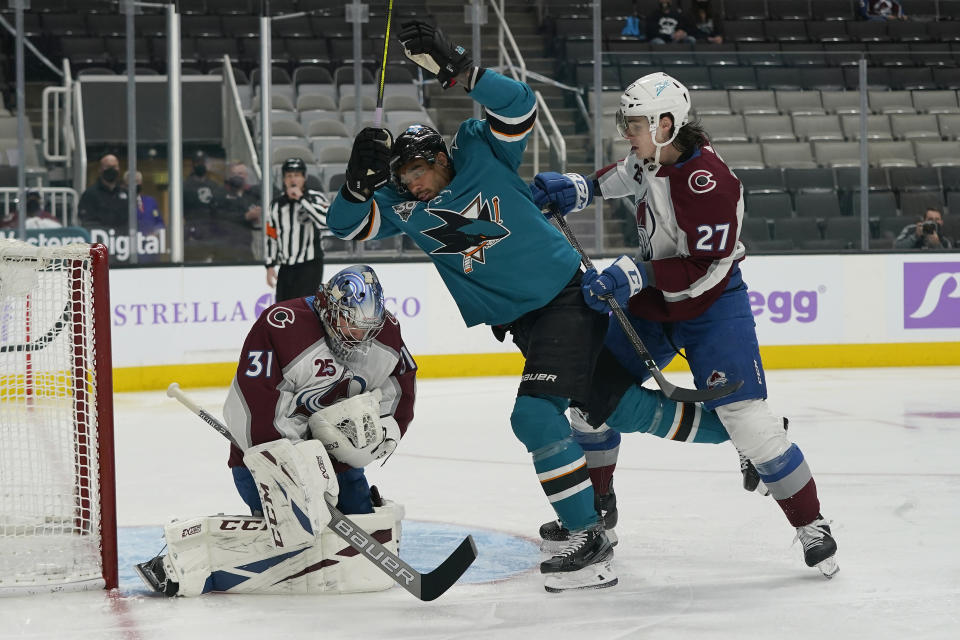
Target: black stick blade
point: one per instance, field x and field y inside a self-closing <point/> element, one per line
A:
<point x="680" y="394"/>
<point x="435" y="583"/>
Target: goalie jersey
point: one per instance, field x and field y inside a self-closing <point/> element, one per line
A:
<point x="495" y="251"/>
<point x="287" y="372"/>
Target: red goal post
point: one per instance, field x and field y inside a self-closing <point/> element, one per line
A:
<point x="57" y="489"/>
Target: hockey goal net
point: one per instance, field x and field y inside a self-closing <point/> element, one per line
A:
<point x="57" y="504"/>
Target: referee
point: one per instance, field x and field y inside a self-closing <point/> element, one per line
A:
<point x="294" y="227"/>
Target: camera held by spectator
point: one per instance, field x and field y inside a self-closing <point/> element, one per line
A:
<point x="924" y="234"/>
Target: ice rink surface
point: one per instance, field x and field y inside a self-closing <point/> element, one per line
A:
<point x="698" y="556"/>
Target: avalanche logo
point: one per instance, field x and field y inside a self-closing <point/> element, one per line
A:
<point x="716" y="379"/>
<point x="469" y="232"/>
<point x="931" y="295"/>
<point x="280" y="317"/>
<point x="325" y="394"/>
<point x="701" y="181"/>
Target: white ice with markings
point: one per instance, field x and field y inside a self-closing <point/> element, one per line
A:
<point x="698" y="556"/>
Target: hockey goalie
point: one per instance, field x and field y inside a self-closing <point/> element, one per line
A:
<point x="324" y="387"/>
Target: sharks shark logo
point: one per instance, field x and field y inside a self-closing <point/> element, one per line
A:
<point x="469" y="232"/>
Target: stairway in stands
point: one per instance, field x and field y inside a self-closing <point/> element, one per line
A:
<point x="449" y="108"/>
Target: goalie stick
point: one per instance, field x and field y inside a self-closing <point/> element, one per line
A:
<point x="425" y="586"/>
<point x="672" y="391"/>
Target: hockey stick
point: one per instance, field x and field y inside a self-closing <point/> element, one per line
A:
<point x="378" y="115"/>
<point x="425" y="586"/>
<point x="672" y="391"/>
<point x="48" y="337"/>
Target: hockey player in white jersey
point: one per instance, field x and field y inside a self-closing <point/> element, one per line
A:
<point x="684" y="288"/>
<point x="324" y="386"/>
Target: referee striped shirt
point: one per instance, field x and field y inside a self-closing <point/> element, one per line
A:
<point x="294" y="228"/>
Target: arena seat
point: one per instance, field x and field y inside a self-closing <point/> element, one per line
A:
<point x="817" y="204"/>
<point x="817" y="128"/>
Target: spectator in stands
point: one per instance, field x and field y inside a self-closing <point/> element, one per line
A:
<point x="37" y="216"/>
<point x="881" y="10"/>
<point x="201" y="199"/>
<point x="104" y="203"/>
<point x="149" y="219"/>
<point x="925" y="234"/>
<point x="705" y="28"/>
<point x="668" y="24"/>
<point x="241" y="213"/>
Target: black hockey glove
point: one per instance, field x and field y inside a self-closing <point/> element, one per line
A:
<point x="427" y="47"/>
<point x="369" y="165"/>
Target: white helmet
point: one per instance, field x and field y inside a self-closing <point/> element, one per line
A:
<point x="652" y="96"/>
<point x="351" y="307"/>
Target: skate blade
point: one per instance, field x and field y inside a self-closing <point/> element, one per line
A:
<point x="595" y="576"/>
<point x="148" y="577"/>
<point x="828" y="567"/>
<point x="553" y="547"/>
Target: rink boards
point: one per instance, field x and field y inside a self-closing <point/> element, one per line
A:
<point x="188" y="323"/>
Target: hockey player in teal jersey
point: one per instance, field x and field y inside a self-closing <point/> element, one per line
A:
<point x="506" y="267"/>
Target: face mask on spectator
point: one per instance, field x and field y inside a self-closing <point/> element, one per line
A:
<point x="110" y="174"/>
<point x="200" y="170"/>
<point x="235" y="182"/>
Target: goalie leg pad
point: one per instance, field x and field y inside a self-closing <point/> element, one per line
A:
<point x="235" y="554"/>
<point x="294" y="483"/>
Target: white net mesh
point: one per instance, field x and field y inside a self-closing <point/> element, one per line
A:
<point x="50" y="529"/>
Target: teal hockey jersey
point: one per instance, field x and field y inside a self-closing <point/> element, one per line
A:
<point x="496" y="253"/>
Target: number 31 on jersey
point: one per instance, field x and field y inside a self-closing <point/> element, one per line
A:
<point x="261" y="362"/>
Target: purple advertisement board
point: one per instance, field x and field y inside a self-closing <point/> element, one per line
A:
<point x="931" y="295"/>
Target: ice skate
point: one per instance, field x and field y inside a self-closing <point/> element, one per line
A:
<point x="819" y="547"/>
<point x="555" y="536"/>
<point x="584" y="563"/>
<point x="154" y="575"/>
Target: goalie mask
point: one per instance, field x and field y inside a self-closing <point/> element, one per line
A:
<point x="350" y="305"/>
<point x="417" y="141"/>
<point x="652" y="96"/>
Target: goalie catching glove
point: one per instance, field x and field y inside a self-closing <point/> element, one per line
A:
<point x="428" y="49"/>
<point x="354" y="432"/>
<point x="369" y="166"/>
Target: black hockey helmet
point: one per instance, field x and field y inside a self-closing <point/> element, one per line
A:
<point x="416" y="141"/>
<point x="293" y="165"/>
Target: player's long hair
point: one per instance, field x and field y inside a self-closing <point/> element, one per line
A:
<point x="691" y="135"/>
